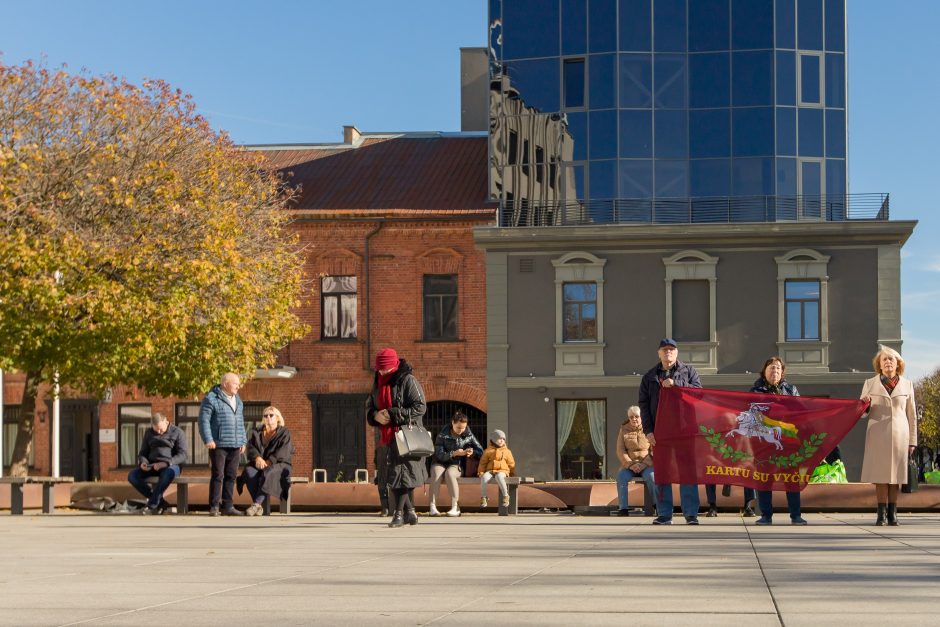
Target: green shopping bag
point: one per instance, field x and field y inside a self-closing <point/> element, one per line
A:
<point x="932" y="476"/>
<point x="829" y="473"/>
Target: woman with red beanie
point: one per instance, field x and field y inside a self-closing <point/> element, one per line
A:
<point x="397" y="399"/>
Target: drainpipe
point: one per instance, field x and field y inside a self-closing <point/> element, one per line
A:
<point x="366" y="293"/>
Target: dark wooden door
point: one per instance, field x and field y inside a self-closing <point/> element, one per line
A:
<point x="78" y="438"/>
<point x="339" y="434"/>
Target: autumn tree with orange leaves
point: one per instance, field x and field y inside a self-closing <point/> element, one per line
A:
<point x="137" y="245"/>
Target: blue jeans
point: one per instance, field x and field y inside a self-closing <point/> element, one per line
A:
<point x="623" y="481"/>
<point x="765" y="500"/>
<point x="153" y="495"/>
<point x="711" y="493"/>
<point x="688" y="497"/>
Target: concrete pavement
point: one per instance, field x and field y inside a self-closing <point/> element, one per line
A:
<point x="532" y="569"/>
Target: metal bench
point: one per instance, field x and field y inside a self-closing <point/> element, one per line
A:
<point x="182" y="484"/>
<point x="512" y="485"/>
<point x="48" y="487"/>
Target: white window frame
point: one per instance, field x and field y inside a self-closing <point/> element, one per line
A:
<point x="578" y="359"/>
<point x="822" y="79"/>
<point x="803" y="356"/>
<point x="691" y="265"/>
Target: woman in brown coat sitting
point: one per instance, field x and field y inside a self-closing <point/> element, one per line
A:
<point x="270" y="451"/>
<point x="636" y="460"/>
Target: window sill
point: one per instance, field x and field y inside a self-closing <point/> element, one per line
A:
<point x="456" y="341"/>
<point x="339" y="340"/>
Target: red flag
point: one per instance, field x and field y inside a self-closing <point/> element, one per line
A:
<point x="762" y="441"/>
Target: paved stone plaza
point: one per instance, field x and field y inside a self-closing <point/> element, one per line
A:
<point x="533" y="569"/>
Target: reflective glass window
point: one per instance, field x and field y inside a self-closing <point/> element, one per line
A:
<point x="753" y="131"/>
<point x="786" y="177"/>
<point x="786" y="78"/>
<point x="577" y="129"/>
<point x="573" y="182"/>
<point x="835" y="179"/>
<point x="495" y="34"/>
<point x="752" y="177"/>
<point x="752" y="82"/>
<point x="710" y="178"/>
<point x="603" y="134"/>
<point x="786" y="131"/>
<point x="786" y="24"/>
<point x="636" y="81"/>
<point x="752" y="24"/>
<point x="710" y="133"/>
<point x="708" y="25"/>
<point x="573" y="26"/>
<point x="709" y="80"/>
<point x="810" y="178"/>
<point x="802" y="309"/>
<point x="602" y="25"/>
<point x="574" y="83"/>
<point x="835" y="133"/>
<point x="440" y="307"/>
<point x="536" y="82"/>
<point x="809" y="24"/>
<point x="603" y="179"/>
<point x="530" y="28"/>
<point x="601" y="84"/>
<point x="835" y="80"/>
<point x="671" y="133"/>
<point x="669" y="30"/>
<point x="580" y="312"/>
<point x="672" y="178"/>
<point x="636" y="133"/>
<point x="670" y="81"/>
<point x="636" y="19"/>
<point x="636" y="178"/>
<point x="810" y="79"/>
<point x="835" y="25"/>
<point x="810" y="133"/>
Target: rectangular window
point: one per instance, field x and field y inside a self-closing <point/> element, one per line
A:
<point x="574" y="83"/>
<point x="338" y="307"/>
<point x="187" y="419"/>
<point x="690" y="310"/>
<point x="11" y="428"/>
<point x="580" y="431"/>
<point x="133" y="422"/>
<point x="810" y="80"/>
<point x="440" y="307"/>
<point x="802" y="310"/>
<point x="525" y="157"/>
<point x="539" y="161"/>
<point x="580" y="312"/>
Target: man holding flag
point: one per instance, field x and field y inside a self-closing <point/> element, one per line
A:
<point x="669" y="372"/>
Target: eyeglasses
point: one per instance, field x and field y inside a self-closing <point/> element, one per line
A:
<point x="269" y="415"/>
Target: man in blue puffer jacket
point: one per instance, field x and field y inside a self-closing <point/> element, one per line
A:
<point x="222" y="427"/>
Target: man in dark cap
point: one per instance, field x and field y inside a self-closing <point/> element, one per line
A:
<point x="667" y="373"/>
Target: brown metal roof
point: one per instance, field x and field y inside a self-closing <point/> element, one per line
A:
<point x="389" y="173"/>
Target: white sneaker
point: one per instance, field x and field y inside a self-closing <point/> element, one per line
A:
<point x="453" y="511"/>
<point x="432" y="511"/>
<point x="483" y="502"/>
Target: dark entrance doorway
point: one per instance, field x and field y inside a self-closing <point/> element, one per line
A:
<point x="78" y="438"/>
<point x="339" y="440"/>
<point x="440" y="413"/>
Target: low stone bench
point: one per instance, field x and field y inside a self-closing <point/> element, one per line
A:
<point x="48" y="488"/>
<point x="182" y="484"/>
<point x="649" y="501"/>
<point x="512" y="485"/>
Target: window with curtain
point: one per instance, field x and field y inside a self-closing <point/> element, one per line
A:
<point x="11" y="428"/>
<point x="338" y="307"/>
<point x="440" y="307"/>
<point x="581" y="430"/>
<point x="133" y="422"/>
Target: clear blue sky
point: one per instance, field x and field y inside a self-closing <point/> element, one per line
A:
<point x="298" y="71"/>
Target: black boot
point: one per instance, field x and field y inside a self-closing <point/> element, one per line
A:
<point x="386" y="511"/>
<point x="411" y="517"/>
<point x="893" y="515"/>
<point x="397" y="520"/>
<point x="880" y="521"/>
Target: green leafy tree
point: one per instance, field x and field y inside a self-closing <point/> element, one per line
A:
<point x="138" y="246"/>
<point x="927" y="396"/>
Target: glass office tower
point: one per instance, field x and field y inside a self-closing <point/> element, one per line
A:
<point x="667" y="110"/>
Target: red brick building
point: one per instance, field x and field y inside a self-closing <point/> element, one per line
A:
<point x="386" y="221"/>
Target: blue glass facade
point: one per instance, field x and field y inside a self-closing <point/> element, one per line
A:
<point x="669" y="110"/>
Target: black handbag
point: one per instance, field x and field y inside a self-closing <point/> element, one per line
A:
<point x="413" y="441"/>
<point x="913" y="471"/>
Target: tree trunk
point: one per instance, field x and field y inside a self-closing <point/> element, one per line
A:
<point x="19" y="467"/>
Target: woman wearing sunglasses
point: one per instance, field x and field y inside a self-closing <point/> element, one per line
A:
<point x="268" y="470"/>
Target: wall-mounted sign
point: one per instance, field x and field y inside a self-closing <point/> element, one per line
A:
<point x="105" y="436"/>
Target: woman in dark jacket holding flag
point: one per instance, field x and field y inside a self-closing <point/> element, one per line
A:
<point x="772" y="381"/>
<point x="396" y="400"/>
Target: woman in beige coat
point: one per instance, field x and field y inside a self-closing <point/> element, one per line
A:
<point x="891" y="433"/>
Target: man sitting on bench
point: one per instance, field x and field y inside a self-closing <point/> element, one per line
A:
<point x="161" y="453"/>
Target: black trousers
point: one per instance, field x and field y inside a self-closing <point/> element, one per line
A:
<point x="224" y="464"/>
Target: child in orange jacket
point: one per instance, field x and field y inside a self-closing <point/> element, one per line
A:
<point x="496" y="463"/>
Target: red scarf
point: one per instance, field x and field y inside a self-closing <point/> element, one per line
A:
<point x="383" y="400"/>
<point x="890" y="384"/>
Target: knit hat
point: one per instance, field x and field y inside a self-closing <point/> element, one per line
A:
<point x="497" y="434"/>
<point x="386" y="359"/>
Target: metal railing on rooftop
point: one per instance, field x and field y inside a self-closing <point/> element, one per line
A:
<point x="727" y="209"/>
